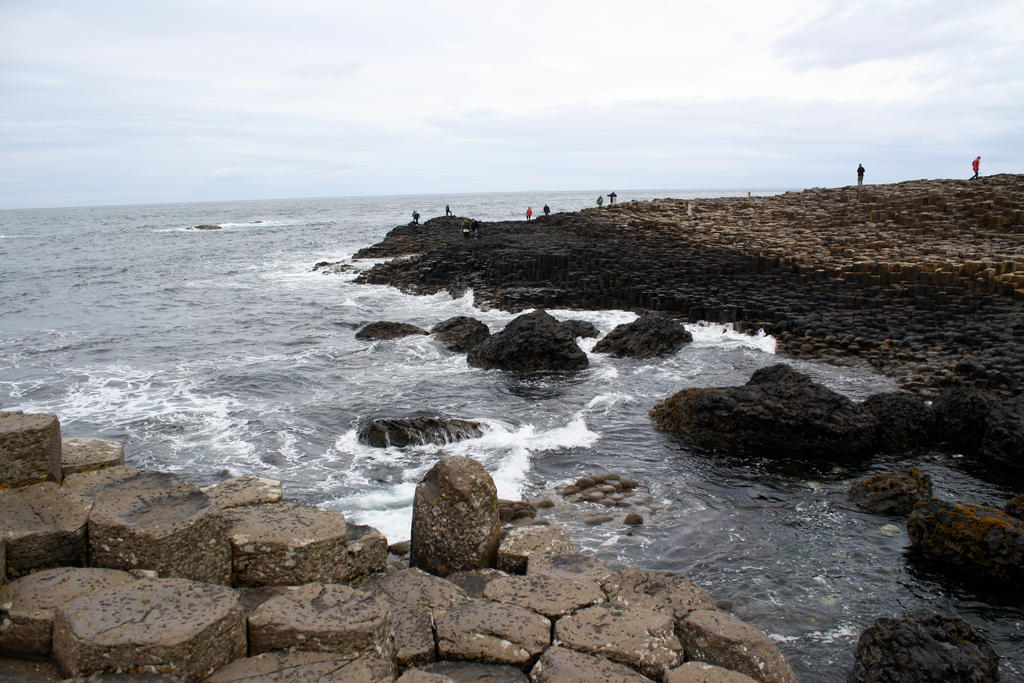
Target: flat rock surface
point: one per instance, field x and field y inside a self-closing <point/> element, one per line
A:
<point x="91" y="483"/>
<point x="249" y="490"/>
<point x="702" y="672"/>
<point x="559" y="664"/>
<point x="722" y="639"/>
<point x="552" y="596"/>
<point x="522" y="545"/>
<point x="29" y="448"/>
<point x="641" y="639"/>
<point x="464" y="672"/>
<point x="656" y="591"/>
<point x="84" y="455"/>
<point x="287" y="544"/>
<point x="323" y="618"/>
<point x="43" y="526"/>
<point x="34" y="598"/>
<point x="173" y="626"/>
<point x="491" y="633"/>
<point x="285" y="667"/>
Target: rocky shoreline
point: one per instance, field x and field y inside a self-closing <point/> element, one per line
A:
<point x="924" y="280"/>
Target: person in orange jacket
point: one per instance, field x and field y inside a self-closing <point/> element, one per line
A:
<point x="529" y="213"/>
<point x="976" y="164"/>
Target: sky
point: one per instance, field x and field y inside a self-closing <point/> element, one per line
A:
<point x="127" y="102"/>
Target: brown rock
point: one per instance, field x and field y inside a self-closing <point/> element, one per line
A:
<point x="32" y="600"/>
<point x="159" y="521"/>
<point x="285" y="667"/>
<point x="240" y="491"/>
<point x="43" y="526"/>
<point x="285" y="543"/>
<point x="702" y="672"/>
<point x="523" y="544"/>
<point x="29" y="448"/>
<point x="324" y="618"/>
<point x="641" y="639"/>
<point x="169" y="626"/>
<point x="657" y="591"/>
<point x="571" y="565"/>
<point x="367" y="550"/>
<point x="724" y="640"/>
<point x="892" y="493"/>
<point x="455" y="518"/>
<point x="559" y="664"/>
<point x="552" y="596"/>
<point x="464" y="672"/>
<point x="86" y="455"/>
<point x="491" y="633"/>
<point x="91" y="483"/>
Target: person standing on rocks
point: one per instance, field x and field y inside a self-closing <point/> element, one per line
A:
<point x="600" y="201"/>
<point x="447" y="210"/>
<point x="976" y="164"/>
<point x="416" y="217"/>
<point x="529" y="213"/>
<point x="860" y="174"/>
<point x="547" y="210"/>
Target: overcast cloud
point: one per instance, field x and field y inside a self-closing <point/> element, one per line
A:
<point x="112" y="102"/>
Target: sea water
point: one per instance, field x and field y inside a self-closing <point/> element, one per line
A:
<point x="216" y="353"/>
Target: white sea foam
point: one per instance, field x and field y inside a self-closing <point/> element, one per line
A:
<point x="725" y="335"/>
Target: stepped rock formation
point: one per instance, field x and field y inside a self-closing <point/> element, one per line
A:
<point x="912" y="277"/>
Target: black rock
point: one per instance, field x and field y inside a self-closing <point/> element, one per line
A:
<point x="902" y="421"/>
<point x="648" y="336"/>
<point x="461" y="333"/>
<point x="417" y="431"/>
<point x="778" y="413"/>
<point x="582" y="328"/>
<point x="531" y="342"/>
<point x="1015" y="508"/>
<point x="924" y="647"/>
<point x="388" y="330"/>
<point x="1003" y="442"/>
<point x="960" y="416"/>
<point x="892" y="493"/>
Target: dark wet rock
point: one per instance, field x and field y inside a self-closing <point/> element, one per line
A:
<point x="1003" y="443"/>
<point x="531" y="342"/>
<point x="924" y="647"/>
<point x="509" y="510"/>
<point x="902" y="421"/>
<point x="455" y="518"/>
<point x="960" y="416"/>
<point x="333" y="267"/>
<point x="606" y="488"/>
<point x="779" y="412"/>
<point x="633" y="519"/>
<point x="461" y="333"/>
<point x="416" y="431"/>
<point x="388" y="330"/>
<point x="30" y="450"/>
<point x="648" y="336"/>
<point x="582" y="328"/>
<point x="474" y="582"/>
<point x="892" y="493"/>
<point x="723" y="640"/>
<point x="979" y="542"/>
<point x="204" y="227"/>
<point x="1015" y="508"/>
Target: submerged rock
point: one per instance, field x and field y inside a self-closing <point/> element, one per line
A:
<point x="779" y="412"/>
<point x="924" y="647"/>
<point x="416" y="431"/>
<point x="531" y="342"/>
<point x="648" y="336"/>
<point x="892" y="493"/>
<point x="388" y="330"/>
<point x="974" y="540"/>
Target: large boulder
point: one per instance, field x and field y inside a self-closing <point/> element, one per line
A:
<point x="981" y="542"/>
<point x="43" y="526"/>
<point x="892" y="493"/>
<point x="388" y="330"/>
<point x="723" y="640"/>
<point x="461" y="333"/>
<point x="903" y="421"/>
<point x="159" y="521"/>
<point x="29" y="448"/>
<point x="923" y="648"/>
<point x="454" y="518"/>
<point x="1003" y="442"/>
<point x="531" y="342"/>
<point x="648" y="336"/>
<point x="178" y="627"/>
<point x="582" y="328"/>
<point x="778" y="412"/>
<point x="416" y="431"/>
<point x="960" y="416"/>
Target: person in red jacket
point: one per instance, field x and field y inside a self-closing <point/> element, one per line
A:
<point x="975" y="165"/>
<point x="529" y="213"/>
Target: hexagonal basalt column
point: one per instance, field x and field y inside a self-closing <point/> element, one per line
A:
<point x="285" y="543"/>
<point x="159" y="521"/>
<point x="286" y="667"/>
<point x="29" y="448"/>
<point x="33" y="599"/>
<point x="43" y="526"/>
<point x="170" y="626"/>
<point x="491" y="632"/>
<point x="323" y="618"/>
<point x="87" y="455"/>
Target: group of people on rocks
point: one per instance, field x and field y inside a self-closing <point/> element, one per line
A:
<point x="975" y="166"/>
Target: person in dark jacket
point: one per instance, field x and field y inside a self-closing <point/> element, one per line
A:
<point x="860" y="174"/>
